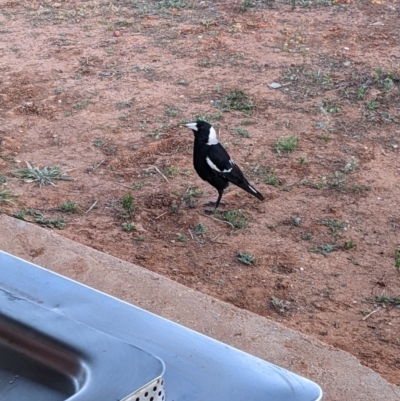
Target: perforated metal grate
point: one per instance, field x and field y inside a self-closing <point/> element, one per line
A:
<point x="154" y="391"/>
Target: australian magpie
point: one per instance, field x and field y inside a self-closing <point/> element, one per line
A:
<point x="212" y="162"/>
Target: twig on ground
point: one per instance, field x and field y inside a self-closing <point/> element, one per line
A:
<point x="160" y="215"/>
<point x="371" y="313"/>
<point x="125" y="186"/>
<point x="213" y="239"/>
<point x="162" y="175"/>
<point x="91" y="207"/>
<point x="223" y="221"/>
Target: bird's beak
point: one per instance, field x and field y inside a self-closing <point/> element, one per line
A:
<point x="192" y="126"/>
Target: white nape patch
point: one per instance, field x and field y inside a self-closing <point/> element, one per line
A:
<point x="252" y="189"/>
<point x="214" y="167"/>
<point x="192" y="126"/>
<point x="212" y="137"/>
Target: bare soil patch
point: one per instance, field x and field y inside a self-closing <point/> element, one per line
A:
<point x="100" y="89"/>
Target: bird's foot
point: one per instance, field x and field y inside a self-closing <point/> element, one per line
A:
<point x="212" y="204"/>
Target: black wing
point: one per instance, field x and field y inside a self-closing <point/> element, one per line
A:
<point x="218" y="159"/>
<point x="222" y="164"/>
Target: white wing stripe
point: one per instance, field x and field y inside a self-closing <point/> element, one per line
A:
<point x="214" y="167"/>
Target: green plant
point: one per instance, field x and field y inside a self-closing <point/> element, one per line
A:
<point x="386" y="299"/>
<point x="362" y="91"/>
<point x="286" y="145"/>
<point x="271" y="178"/>
<point x="173" y="209"/>
<point x="302" y="160"/>
<point x="200" y="229"/>
<point x="324" y="249"/>
<point x="171" y="171"/>
<point x="172" y="112"/>
<point x="139" y="185"/>
<point x="397" y="258"/>
<point x="306" y="236"/>
<point x="349" y="245"/>
<point x="378" y="72"/>
<point x="123" y="117"/>
<point x="177" y="4"/>
<point x="249" y="122"/>
<point x="45" y="176"/>
<point x="241" y="132"/>
<point x="237" y="99"/>
<point x="333" y="224"/>
<point x="6" y="196"/>
<point x="181" y="237"/>
<point x="246" y="5"/>
<point x="69" y="206"/>
<point x="125" y="105"/>
<point x="82" y="105"/>
<point x="98" y="142"/>
<point x="326" y="138"/>
<point x="235" y="217"/>
<point x="37" y="217"/>
<point x="351" y="165"/>
<point x="208" y="117"/>
<point x="278" y="305"/>
<point x="330" y="108"/>
<point x="128" y="227"/>
<point x="127" y="203"/>
<point x="205" y="63"/>
<point x="191" y="193"/>
<point x="371" y="105"/>
<point x="358" y="189"/>
<point x="246" y="258"/>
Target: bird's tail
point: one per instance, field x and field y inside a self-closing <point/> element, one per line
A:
<point x="236" y="177"/>
<point x="251" y="190"/>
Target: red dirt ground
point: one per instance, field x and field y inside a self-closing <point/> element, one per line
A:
<point x="101" y="89"/>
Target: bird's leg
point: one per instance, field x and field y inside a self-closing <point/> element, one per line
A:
<point x="220" y="193"/>
<point x="216" y="204"/>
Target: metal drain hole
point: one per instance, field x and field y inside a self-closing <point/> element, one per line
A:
<point x="152" y="392"/>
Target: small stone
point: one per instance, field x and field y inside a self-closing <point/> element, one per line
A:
<point x="346" y="48"/>
<point x="274" y="85"/>
<point x="347" y="63"/>
<point x="117" y="34"/>
<point x="395" y="146"/>
<point x="296" y="221"/>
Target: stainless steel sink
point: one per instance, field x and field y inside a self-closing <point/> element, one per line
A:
<point x="60" y="340"/>
<point x="46" y="356"/>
